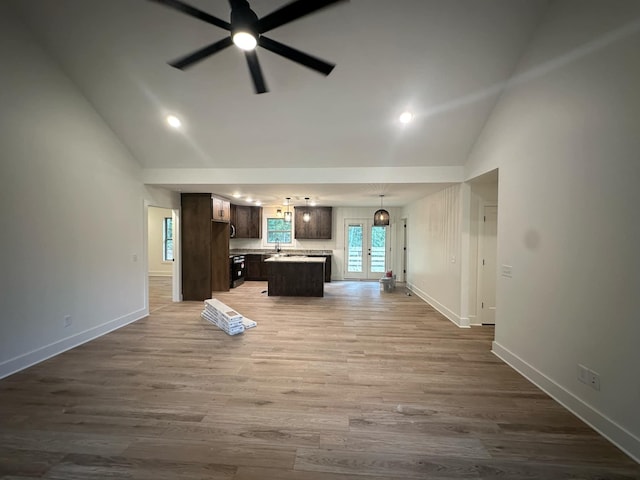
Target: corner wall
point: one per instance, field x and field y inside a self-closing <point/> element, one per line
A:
<point x="565" y="138"/>
<point x="72" y="208"/>
<point x="434" y="251"/>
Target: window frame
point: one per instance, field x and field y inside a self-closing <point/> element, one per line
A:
<point x="269" y="231"/>
<point x="167" y="236"/>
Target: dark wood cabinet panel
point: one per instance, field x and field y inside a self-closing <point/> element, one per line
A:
<point x="318" y="227"/>
<point x="256" y="266"/>
<point x="296" y="279"/>
<point x="221" y="209"/>
<point x="247" y="221"/>
<point x="220" y="257"/>
<point x="196" y="246"/>
<point x="204" y="247"/>
<point x="327" y="266"/>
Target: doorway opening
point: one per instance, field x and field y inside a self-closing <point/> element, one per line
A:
<point x="162" y="251"/>
<point x="487" y="271"/>
<point x="483" y="249"/>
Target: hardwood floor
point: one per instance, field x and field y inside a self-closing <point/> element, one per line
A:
<point x="357" y="385"/>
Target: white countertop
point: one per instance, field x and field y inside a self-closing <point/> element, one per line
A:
<point x="295" y="259"/>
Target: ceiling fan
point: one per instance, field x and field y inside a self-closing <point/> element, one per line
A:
<point x="247" y="32"/>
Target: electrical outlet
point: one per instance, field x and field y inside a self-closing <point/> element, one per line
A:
<point x="589" y="377"/>
<point x="67" y="321"/>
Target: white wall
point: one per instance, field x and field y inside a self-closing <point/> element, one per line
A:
<point x="72" y="210"/>
<point x="155" y="250"/>
<point x="434" y="250"/>
<point x="566" y="138"/>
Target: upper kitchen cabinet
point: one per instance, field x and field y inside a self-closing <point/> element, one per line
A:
<point x="247" y="221"/>
<point x="221" y="210"/>
<point x="319" y="225"/>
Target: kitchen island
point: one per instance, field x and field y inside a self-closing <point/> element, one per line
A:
<point x="296" y="276"/>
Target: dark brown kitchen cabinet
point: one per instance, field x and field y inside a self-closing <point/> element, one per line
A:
<point x="257" y="268"/>
<point x="221" y="209"/>
<point x="327" y="267"/>
<point x="204" y="248"/>
<point x="247" y="221"/>
<point x="319" y="225"/>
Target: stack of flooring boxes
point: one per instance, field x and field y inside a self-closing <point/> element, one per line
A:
<point x="222" y="316"/>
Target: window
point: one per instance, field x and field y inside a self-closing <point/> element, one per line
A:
<point x="167" y="239"/>
<point x="278" y="231"/>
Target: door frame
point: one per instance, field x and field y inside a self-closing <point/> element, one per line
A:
<point x="367" y="225"/>
<point x="176" y="278"/>
<point x="481" y="284"/>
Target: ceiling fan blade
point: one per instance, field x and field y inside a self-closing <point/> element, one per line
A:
<point x="188" y="60"/>
<point x="194" y="12"/>
<point x="256" y="71"/>
<point x="296" y="55"/>
<point x="291" y="12"/>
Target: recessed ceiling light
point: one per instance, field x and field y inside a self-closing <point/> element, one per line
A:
<point x="258" y="202"/>
<point x="312" y="203"/>
<point x="237" y="195"/>
<point x="174" y="121"/>
<point x="249" y="199"/>
<point x="406" y="117"/>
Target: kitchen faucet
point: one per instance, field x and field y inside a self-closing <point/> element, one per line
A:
<point x="278" y="246"/>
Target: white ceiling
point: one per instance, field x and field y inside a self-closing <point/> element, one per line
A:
<point x="446" y="60"/>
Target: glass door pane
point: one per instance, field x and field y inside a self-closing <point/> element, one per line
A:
<point x="355" y="247"/>
<point x="366" y="250"/>
<point x="378" y="249"/>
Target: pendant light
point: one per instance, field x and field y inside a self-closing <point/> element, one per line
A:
<point x="381" y="217"/>
<point x="287" y="214"/>
<point x="306" y="216"/>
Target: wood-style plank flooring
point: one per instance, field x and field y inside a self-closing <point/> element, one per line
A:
<point x="358" y="385"/>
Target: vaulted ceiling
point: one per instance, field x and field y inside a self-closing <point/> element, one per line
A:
<point x="336" y="139"/>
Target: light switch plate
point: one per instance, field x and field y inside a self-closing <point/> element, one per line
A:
<point x="507" y="271"/>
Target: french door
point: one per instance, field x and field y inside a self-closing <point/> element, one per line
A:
<point x="366" y="249"/>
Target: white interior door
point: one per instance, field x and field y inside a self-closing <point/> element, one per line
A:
<point x="488" y="268"/>
<point x="367" y="247"/>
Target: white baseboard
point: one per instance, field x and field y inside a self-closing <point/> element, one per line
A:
<point x="160" y="273"/>
<point x="457" y="320"/>
<point x="618" y="435"/>
<point x="26" y="360"/>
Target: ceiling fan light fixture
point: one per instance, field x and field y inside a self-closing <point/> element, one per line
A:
<point x="245" y="41"/>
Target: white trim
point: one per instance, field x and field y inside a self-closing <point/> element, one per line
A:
<point x="29" y="359"/>
<point x="480" y="283"/>
<point x="160" y="273"/>
<point x="303" y="176"/>
<point x="176" y="289"/>
<point x="617" y="434"/>
<point x="454" y="318"/>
